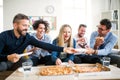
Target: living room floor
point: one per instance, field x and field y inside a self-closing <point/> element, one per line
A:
<point x="5" y="74"/>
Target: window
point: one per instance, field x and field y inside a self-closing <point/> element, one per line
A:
<point x="76" y="12"/>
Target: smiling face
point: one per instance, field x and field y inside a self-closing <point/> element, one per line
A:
<point x="40" y="30"/>
<point x="65" y="36"/>
<point x="102" y="30"/>
<point x="81" y="31"/>
<point x="21" y="27"/>
<point x="67" y="33"/>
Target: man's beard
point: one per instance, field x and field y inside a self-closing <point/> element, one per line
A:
<point x="101" y="35"/>
<point x="21" y="33"/>
<point x="80" y="35"/>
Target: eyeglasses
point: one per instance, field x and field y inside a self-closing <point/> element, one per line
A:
<point x="101" y="28"/>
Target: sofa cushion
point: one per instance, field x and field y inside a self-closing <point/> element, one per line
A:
<point x="115" y="51"/>
<point x="115" y="57"/>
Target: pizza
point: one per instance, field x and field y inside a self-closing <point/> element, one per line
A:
<point x="76" y="68"/>
<point x="96" y="68"/>
<point x="55" y="70"/>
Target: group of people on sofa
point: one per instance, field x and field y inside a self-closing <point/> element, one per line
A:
<point x="61" y="49"/>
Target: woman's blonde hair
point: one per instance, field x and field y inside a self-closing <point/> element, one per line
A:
<point x="61" y="37"/>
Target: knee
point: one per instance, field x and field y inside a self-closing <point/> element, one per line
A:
<point x="3" y="66"/>
<point x="77" y="60"/>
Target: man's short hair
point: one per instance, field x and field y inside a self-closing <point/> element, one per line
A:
<point x="106" y="22"/>
<point x="20" y="17"/>
<point x="82" y="25"/>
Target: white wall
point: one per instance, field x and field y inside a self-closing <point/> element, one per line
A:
<point x="30" y="8"/>
<point x="77" y="12"/>
<point x="1" y="15"/>
<point x="98" y="6"/>
<point x="74" y="13"/>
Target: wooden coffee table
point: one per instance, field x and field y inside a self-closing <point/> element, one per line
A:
<point x="34" y="75"/>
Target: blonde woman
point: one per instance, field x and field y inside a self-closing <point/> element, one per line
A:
<point x="64" y="39"/>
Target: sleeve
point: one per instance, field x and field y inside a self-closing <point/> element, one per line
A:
<point x="46" y="46"/>
<point x="3" y="57"/>
<point x="108" y="46"/>
<point x="29" y="47"/>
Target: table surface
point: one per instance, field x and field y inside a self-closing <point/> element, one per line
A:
<point x="34" y="75"/>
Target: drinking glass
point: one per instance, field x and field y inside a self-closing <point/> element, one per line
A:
<point x="26" y="67"/>
<point x="106" y="61"/>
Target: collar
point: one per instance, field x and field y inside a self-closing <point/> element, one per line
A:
<point x="13" y="35"/>
<point x="43" y="37"/>
<point x="107" y="35"/>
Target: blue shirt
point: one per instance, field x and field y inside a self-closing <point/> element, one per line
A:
<point x="56" y="55"/>
<point x="10" y="44"/>
<point x="40" y="52"/>
<point x="109" y="42"/>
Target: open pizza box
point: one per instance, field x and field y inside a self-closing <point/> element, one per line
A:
<point x="93" y="69"/>
<point x="81" y="69"/>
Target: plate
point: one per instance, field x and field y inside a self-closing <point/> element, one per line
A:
<point x="64" y="63"/>
<point x="20" y="69"/>
<point x="80" y="50"/>
<point x="25" y="54"/>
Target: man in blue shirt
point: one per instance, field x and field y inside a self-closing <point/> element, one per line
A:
<point x="110" y="39"/>
<point x="101" y="42"/>
<point x="13" y="42"/>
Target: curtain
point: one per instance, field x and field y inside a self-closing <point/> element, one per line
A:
<point x="114" y="4"/>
